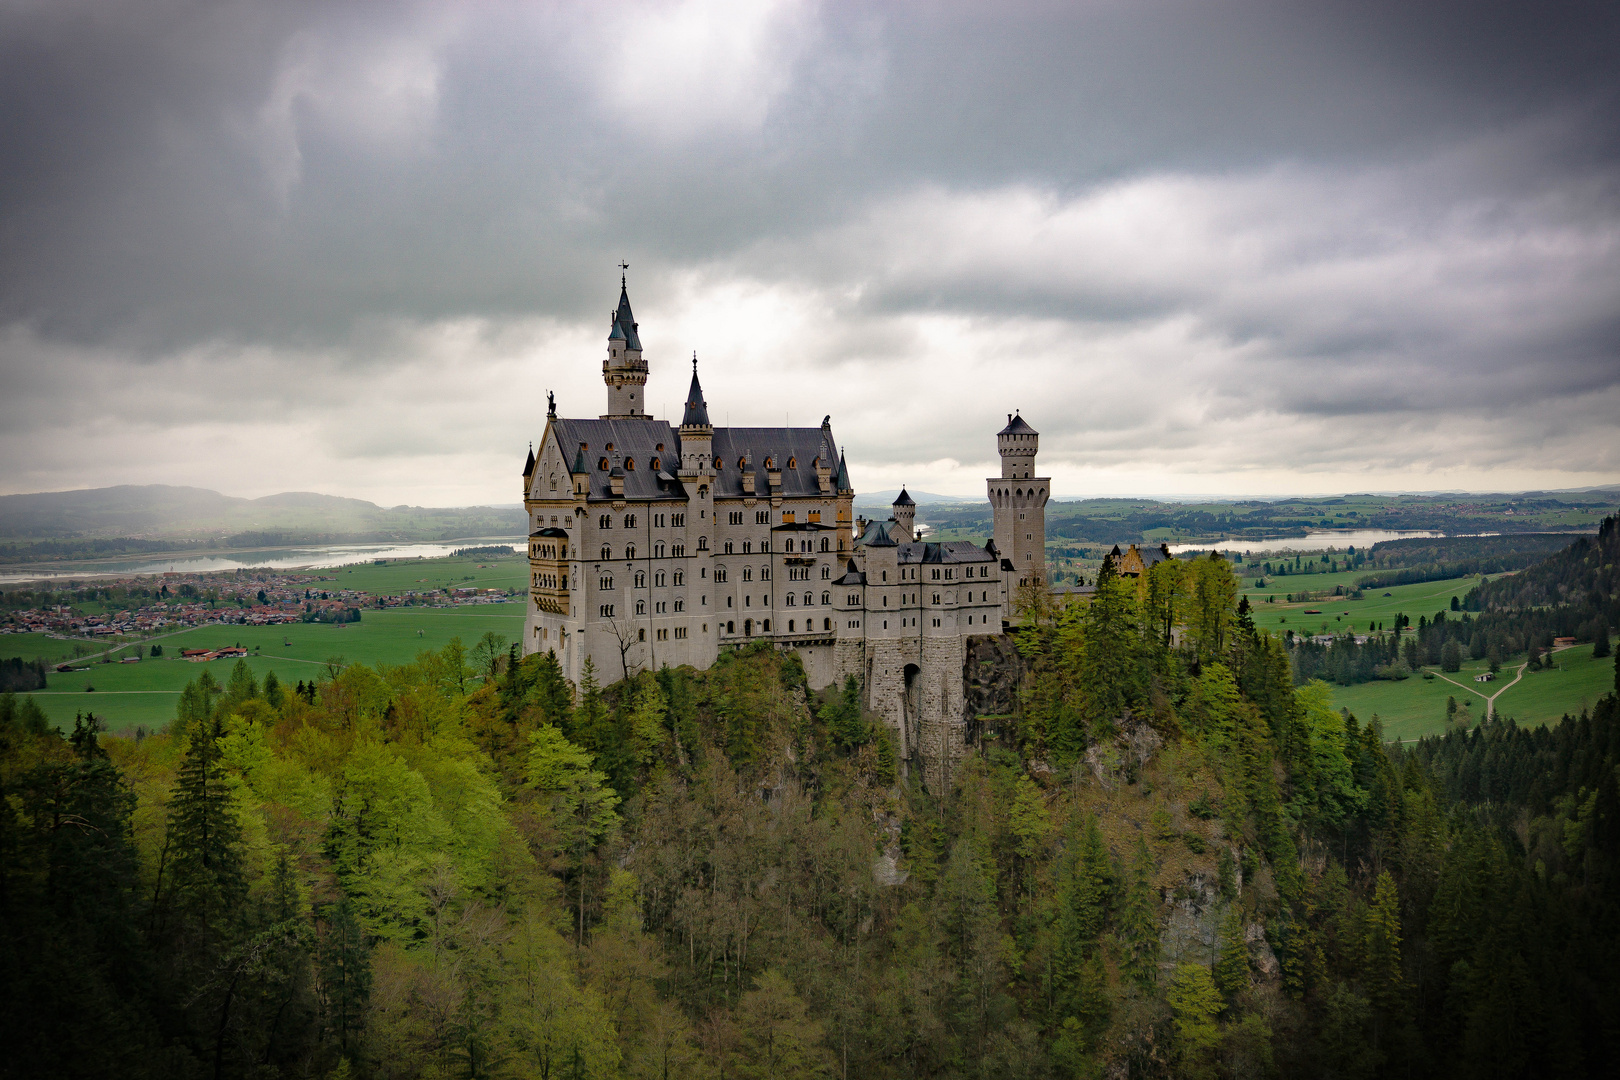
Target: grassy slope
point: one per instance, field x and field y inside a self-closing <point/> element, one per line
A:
<point x="1341" y="613"/>
<point x="1544" y="696"/>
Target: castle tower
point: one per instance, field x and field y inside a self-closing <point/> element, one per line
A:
<point x="905" y="516"/>
<point x="624" y="371"/>
<point x="1018" y="499"/>
<point x="697" y="434"/>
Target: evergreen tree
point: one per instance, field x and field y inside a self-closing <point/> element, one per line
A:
<point x="1600" y="639"/>
<point x="1139" y="922"/>
<point x="205" y="880"/>
<point x="842" y="715"/>
<point x="1079" y="985"/>
<point x="241" y="686"/>
<point x="345" y="973"/>
<point x="1109" y="674"/>
<point x="1381" y="947"/>
<point x="1232" y="961"/>
<point x="272" y="691"/>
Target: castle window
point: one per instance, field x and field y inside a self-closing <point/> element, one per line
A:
<point x="703" y="543"/>
<point x="680" y="577"/>
<point x="789" y="599"/>
<point x="607" y="553"/>
<point x="718" y="465"/>
<point x="790" y="625"/>
<point x="767" y="626"/>
<point x="729" y="548"/>
<point x="658" y="550"/>
<point x="935" y="575"/>
<point x="719" y="574"/>
<point x="826" y="598"/>
<point x="629" y="521"/>
<point x="809" y="598"/>
<point x="735" y="517"/>
<point x="770" y="463"/>
<point x="826" y="573"/>
<point x="605" y="521"/>
<point x="936" y="598"/>
<point x="678" y="551"/>
<point x="553" y="481"/>
<point x="630" y="551"/>
<point x="641" y="579"/>
<point x="793" y="463"/>
<point x="742" y="463"/>
<point x="658" y="579"/>
<point x="662" y="635"/>
<point x="748" y="573"/>
<point x="885" y="575"/>
<point x="826" y="624"/>
<point x="680" y="605"/>
<point x="629" y="464"/>
<point x="947" y="575"/>
<point x="825" y="544"/>
<point x="764" y="573"/>
<point x="936" y="622"/>
<point x="641" y="607"/>
<point x="605" y="611"/>
<point x="680" y="633"/>
<point x="654" y="464"/>
<point x="605" y="582"/>
<point x="748" y="547"/>
<point x="763" y="517"/>
<point x="765" y="545"/>
<point x="677" y="520"/>
<point x="641" y="635"/>
<point x="659" y="448"/>
<point x="731" y="628"/>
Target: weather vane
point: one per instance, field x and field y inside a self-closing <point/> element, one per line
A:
<point x="623" y="266"/>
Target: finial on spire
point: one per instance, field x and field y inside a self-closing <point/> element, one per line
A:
<point x="694" y="361"/>
<point x="623" y="266"/>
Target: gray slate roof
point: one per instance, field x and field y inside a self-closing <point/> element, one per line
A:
<point x="624" y="322"/>
<point x="637" y="441"/>
<point x="951" y="551"/>
<point x="1016" y="425"/>
<point x="697" y="410"/>
<point x="781" y="445"/>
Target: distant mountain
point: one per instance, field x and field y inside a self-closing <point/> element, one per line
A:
<point x="160" y="512"/>
<point x="921" y="498"/>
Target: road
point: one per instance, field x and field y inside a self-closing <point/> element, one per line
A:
<point x="1490" y="699"/>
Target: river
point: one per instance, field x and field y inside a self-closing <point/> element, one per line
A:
<point x="312" y="557"/>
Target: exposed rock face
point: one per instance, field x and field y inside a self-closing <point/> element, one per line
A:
<point x="991" y="672"/>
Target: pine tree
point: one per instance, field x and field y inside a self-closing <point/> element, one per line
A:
<point x="345" y="973"/>
<point x="206" y="884"/>
<point x="1600" y="639"/>
<point x="1079" y="986"/>
<point x="1108" y="670"/>
<point x="843" y="717"/>
<point x="241" y="686"/>
<point x="1232" y="962"/>
<point x="1139" y="922"/>
<point x="1381" y="947"/>
<point x="272" y="690"/>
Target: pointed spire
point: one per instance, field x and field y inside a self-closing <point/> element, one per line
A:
<point x="579" y="461"/>
<point x="697" y="410"/>
<point x="903" y="499"/>
<point x="624" y="320"/>
<point x="842" y="483"/>
<point x="528" y="466"/>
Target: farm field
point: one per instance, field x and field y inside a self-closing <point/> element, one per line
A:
<point x="145" y="693"/>
<point x="1340" y="613"/>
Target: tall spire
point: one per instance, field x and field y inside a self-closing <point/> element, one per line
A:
<point x="697" y="410"/>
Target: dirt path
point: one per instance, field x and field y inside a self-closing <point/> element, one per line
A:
<point x="1490" y="699"/>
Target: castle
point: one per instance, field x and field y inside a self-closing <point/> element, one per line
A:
<point x="652" y="545"/>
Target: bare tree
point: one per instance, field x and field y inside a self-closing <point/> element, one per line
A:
<point x="626" y="635"/>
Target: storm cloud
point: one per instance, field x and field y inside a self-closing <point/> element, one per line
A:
<point x="1239" y="248"/>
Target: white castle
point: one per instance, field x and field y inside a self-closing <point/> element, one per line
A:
<point x="652" y="545"/>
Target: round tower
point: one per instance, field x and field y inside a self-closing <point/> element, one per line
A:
<point x="1018" y="500"/>
<point x="697" y="434"/>
<point x="904" y="512"/>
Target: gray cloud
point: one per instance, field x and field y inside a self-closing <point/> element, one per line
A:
<point x="1243" y="246"/>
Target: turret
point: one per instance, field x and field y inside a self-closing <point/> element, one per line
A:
<point x="904" y="512"/>
<point x="697" y="434"/>
<point x="624" y="371"/>
<point x="1017" y="444"/>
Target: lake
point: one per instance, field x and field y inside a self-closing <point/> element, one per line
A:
<point x="1320" y="540"/>
<point x="313" y="557"/>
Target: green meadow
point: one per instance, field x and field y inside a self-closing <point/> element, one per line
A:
<point x="1271" y="610"/>
<point x="144" y="693"/>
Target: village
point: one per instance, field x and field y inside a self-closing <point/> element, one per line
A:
<point x="141" y="606"/>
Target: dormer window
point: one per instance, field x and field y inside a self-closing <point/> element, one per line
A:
<point x="603" y="464"/>
<point x="793" y="463"/>
<point x="629" y="464"/>
<point x="742" y="463"/>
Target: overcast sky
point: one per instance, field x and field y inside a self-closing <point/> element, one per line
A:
<point x="1204" y="247"/>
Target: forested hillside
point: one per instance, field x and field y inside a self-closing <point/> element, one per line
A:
<point x="1170" y="862"/>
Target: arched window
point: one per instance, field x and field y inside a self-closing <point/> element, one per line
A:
<point x="629" y="521"/>
<point x="748" y="573"/>
<point x="793" y="463"/>
<point x="629" y="551"/>
<point x="553" y="481"/>
<point x="790" y="626"/>
<point x="789" y="599"/>
<point x="680" y="577"/>
<point x="607" y="553"/>
<point x="658" y="579"/>
<point x="653" y="464"/>
<point x="826" y="598"/>
<point x="630" y="464"/>
<point x="605" y="521"/>
<point x="826" y="545"/>
<point x="748" y="547"/>
<point x="767" y="628"/>
<point x="719" y="574"/>
<point x="658" y="550"/>
<point x="603" y="464"/>
<point x="826" y="624"/>
<point x="703" y="543"/>
<point x="641" y="607"/>
<point x="728" y="547"/>
<point x="641" y="579"/>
